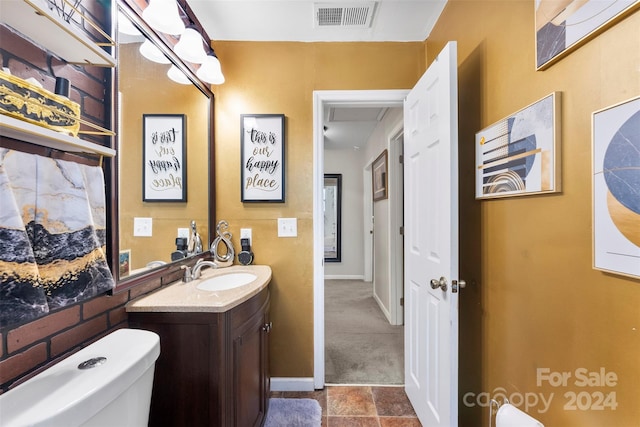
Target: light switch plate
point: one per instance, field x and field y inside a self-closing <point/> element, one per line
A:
<point x="142" y="227"/>
<point x="183" y="232"/>
<point x="287" y="227"/>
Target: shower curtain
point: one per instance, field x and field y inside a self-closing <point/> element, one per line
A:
<point x="52" y="235"/>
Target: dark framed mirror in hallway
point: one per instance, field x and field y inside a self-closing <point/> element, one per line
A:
<point x="332" y="197"/>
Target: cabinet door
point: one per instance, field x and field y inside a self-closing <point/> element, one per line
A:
<point x="250" y="370"/>
<point x="185" y="383"/>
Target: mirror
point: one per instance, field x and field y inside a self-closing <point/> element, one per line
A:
<point x="331" y="197"/>
<point x="170" y="152"/>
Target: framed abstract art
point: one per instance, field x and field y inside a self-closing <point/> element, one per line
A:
<point x="564" y="25"/>
<point x="616" y="188"/>
<point x="520" y="154"/>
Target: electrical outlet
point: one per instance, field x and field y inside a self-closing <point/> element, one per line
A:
<point x="245" y="233"/>
<point x="287" y="227"/>
<point x="142" y="227"/>
<point x="183" y="232"/>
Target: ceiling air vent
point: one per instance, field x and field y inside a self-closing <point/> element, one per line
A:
<point x="347" y="15"/>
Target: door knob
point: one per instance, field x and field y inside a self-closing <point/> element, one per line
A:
<point x="456" y="283"/>
<point x="442" y="283"/>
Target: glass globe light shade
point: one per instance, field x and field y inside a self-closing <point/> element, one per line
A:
<point x="210" y="71"/>
<point x="178" y="76"/>
<point x="163" y="16"/>
<point x="153" y="53"/>
<point x="190" y="47"/>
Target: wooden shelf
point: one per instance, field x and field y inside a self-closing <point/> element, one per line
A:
<point x="34" y="134"/>
<point x="35" y="20"/>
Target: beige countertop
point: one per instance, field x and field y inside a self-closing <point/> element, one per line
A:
<point x="186" y="297"/>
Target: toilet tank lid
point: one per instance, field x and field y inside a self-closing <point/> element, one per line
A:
<point x="65" y="392"/>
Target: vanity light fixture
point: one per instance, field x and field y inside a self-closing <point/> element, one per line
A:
<point x="191" y="46"/>
<point x="210" y="70"/>
<point x="152" y="53"/>
<point x="178" y="76"/>
<point x="163" y="16"/>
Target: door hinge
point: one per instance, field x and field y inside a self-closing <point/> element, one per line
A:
<point x="402" y="302"/>
<point x="401" y="230"/>
<point x="401" y="159"/>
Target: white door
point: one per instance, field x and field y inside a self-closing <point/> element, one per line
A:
<point x="431" y="242"/>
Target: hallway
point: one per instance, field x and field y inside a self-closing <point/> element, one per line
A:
<point x="361" y="347"/>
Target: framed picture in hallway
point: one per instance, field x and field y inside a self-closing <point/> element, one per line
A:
<point x="616" y="180"/>
<point x="262" y="157"/>
<point x="520" y="154"/>
<point x="379" y="176"/>
<point x="564" y="25"/>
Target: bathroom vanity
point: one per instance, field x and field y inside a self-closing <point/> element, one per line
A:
<point x="213" y="367"/>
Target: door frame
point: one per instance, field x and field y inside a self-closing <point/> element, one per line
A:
<point x="322" y="99"/>
<point x="396" y="220"/>
<point x="367" y="222"/>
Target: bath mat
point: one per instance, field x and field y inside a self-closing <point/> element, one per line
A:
<point x="293" y="413"/>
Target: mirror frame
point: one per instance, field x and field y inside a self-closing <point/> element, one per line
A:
<point x="338" y="214"/>
<point x="171" y="271"/>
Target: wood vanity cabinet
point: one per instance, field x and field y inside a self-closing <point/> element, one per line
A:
<point x="213" y="368"/>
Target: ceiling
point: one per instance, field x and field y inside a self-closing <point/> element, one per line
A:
<point x="309" y="21"/>
<point x="335" y="21"/>
<point x="349" y="128"/>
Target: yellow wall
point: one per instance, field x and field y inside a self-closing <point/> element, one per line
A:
<point x="536" y="301"/>
<point x="281" y="78"/>
<point x="144" y="89"/>
<point x="533" y="299"/>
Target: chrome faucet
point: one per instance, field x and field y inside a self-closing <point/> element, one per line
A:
<point x="194" y="273"/>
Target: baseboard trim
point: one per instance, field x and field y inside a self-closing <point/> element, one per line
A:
<point x="343" y="277"/>
<point x="292" y="384"/>
<point x="383" y="309"/>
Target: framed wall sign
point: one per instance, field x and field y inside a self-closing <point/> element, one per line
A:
<point x="164" y="176"/>
<point x="520" y="154"/>
<point x="262" y="157"/>
<point x="616" y="180"/>
<point x="380" y="179"/>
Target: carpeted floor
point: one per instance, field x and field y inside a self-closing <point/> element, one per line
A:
<point x="361" y="347"/>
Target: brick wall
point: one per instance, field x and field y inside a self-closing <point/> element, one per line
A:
<point x="27" y="349"/>
<point x="90" y="86"/>
<point x="30" y="348"/>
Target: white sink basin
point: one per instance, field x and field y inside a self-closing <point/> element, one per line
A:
<point x="227" y="281"/>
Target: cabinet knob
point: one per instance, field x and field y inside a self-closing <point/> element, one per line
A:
<point x="267" y="327"/>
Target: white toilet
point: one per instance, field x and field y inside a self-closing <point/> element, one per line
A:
<point x="105" y="384"/>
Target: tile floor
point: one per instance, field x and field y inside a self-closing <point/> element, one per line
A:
<point x="361" y="406"/>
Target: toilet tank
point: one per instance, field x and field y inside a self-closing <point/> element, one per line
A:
<point x="107" y="383"/>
